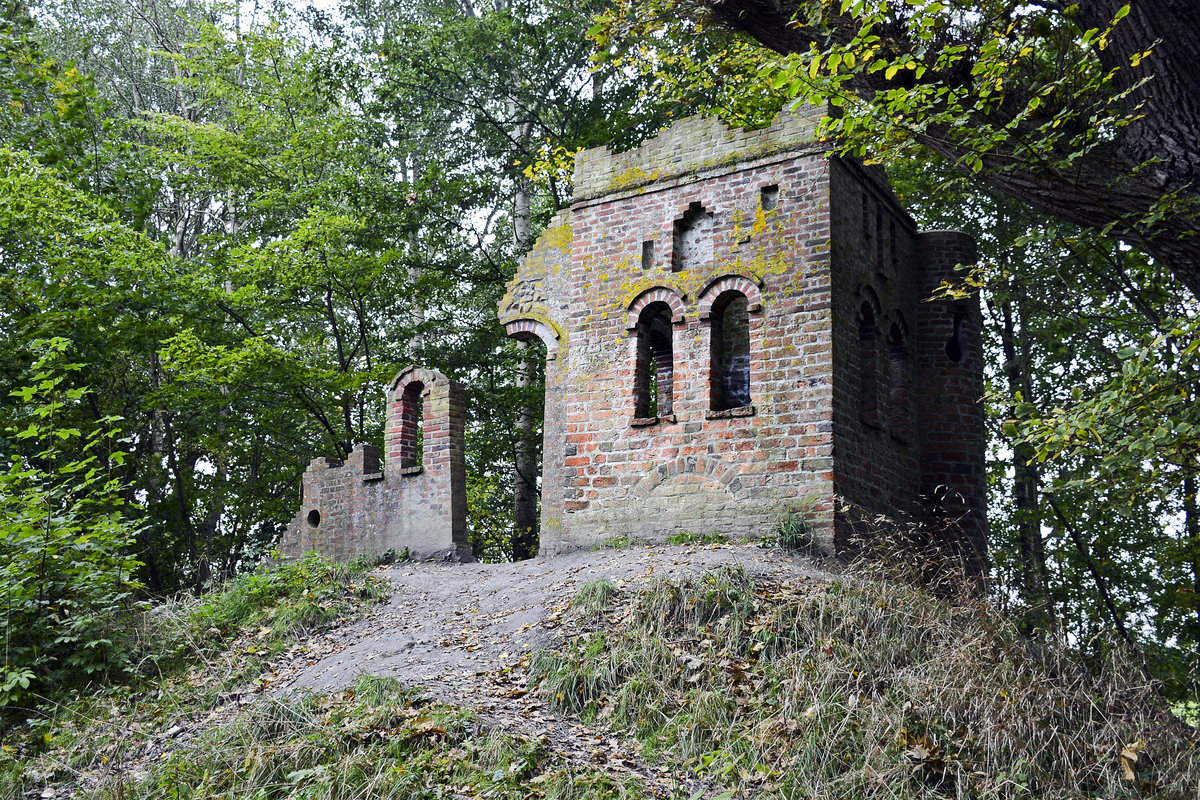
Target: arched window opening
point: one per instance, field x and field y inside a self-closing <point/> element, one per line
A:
<point x="898" y="383"/>
<point x="729" y="378"/>
<point x="412" y="410"/>
<point x="654" y="374"/>
<point x="868" y="365"/>
<point x="954" y="348"/>
<point x="693" y="245"/>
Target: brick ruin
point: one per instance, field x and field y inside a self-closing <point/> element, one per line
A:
<point x="737" y="328"/>
<point x="416" y="500"/>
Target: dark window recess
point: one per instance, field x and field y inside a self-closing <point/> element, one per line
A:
<point x="954" y="347"/>
<point x="693" y="246"/>
<point x="893" y="252"/>
<point x="868" y="365"/>
<point x="647" y="255"/>
<point x="411" y="433"/>
<point x="879" y="236"/>
<point x="898" y="384"/>
<point x="729" y="378"/>
<point x="314" y="518"/>
<point x="769" y="197"/>
<point x="654" y="373"/>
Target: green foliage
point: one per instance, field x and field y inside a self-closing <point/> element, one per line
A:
<point x="66" y="581"/>
<point x="185" y="656"/>
<point x="697" y="538"/>
<point x="284" y="602"/>
<point x="862" y="689"/>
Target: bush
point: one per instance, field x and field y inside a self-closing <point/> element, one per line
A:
<point x="66" y="585"/>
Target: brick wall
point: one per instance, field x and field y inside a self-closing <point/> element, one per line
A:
<point x="414" y="500"/>
<point x="669" y="235"/>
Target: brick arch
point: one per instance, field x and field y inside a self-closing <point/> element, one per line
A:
<point x="720" y="471"/>
<point x="422" y="375"/>
<point x="655" y="294"/>
<point x="866" y="296"/>
<point x="729" y="283"/>
<point x="525" y="329"/>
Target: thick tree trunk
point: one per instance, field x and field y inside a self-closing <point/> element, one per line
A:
<point x="525" y="472"/>
<point x="1119" y="187"/>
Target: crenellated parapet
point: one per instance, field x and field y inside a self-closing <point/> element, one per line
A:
<point x="413" y="500"/>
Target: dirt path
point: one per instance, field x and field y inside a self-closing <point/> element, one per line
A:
<point x="464" y="632"/>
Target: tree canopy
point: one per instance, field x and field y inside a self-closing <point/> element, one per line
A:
<point x="1089" y="112"/>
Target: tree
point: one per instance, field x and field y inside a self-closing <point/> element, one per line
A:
<point x="1089" y="112"/>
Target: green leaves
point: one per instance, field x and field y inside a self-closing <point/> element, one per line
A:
<point x="66" y="573"/>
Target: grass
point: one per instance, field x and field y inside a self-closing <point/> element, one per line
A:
<point x="375" y="740"/>
<point x="615" y="543"/>
<point x="166" y="736"/>
<point x="865" y="689"/>
<point x="697" y="539"/>
<point x="190" y="653"/>
<point x="593" y="598"/>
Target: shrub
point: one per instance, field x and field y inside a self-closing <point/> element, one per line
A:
<point x="66" y="585"/>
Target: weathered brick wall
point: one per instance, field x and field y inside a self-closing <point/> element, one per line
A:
<point x="735" y="471"/>
<point x="949" y="395"/>
<point x="875" y="265"/>
<point x="675" y="229"/>
<point x="363" y="507"/>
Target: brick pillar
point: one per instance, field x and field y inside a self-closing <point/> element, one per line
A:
<point x="428" y="512"/>
<point x="949" y="402"/>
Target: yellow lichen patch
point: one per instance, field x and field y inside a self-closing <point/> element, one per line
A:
<point x="559" y="237"/>
<point x="760" y="221"/>
<point x="632" y="177"/>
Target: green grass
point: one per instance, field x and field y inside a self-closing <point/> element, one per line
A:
<point x="375" y="740"/>
<point x="189" y="653"/>
<point x="593" y="598"/>
<point x="615" y="543"/>
<point x="697" y="539"/>
<point x="863" y="689"/>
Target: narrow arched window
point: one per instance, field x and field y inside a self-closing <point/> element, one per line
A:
<point x="411" y="419"/>
<point x="898" y="383"/>
<point x="654" y="373"/>
<point x="729" y="375"/>
<point x="868" y="365"/>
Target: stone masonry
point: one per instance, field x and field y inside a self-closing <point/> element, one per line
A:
<point x="415" y="500"/>
<point x="737" y="329"/>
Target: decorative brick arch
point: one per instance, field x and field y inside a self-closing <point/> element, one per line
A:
<point x="866" y="296"/>
<point x="722" y="472"/>
<point x="408" y="401"/>
<point x="656" y="294"/>
<point x="526" y="329"/>
<point x="729" y="283"/>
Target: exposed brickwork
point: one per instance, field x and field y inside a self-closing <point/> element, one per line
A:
<point x="869" y="411"/>
<point x="414" y="500"/>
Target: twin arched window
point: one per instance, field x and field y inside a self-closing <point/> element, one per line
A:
<point x="895" y="392"/>
<point x="729" y="364"/>
<point x="729" y="349"/>
<point x="654" y="372"/>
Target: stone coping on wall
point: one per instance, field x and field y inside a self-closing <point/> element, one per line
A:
<point x="690" y="146"/>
